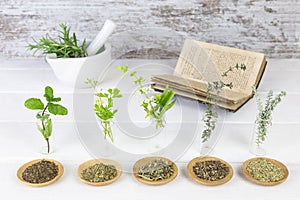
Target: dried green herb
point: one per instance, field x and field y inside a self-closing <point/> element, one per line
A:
<point x="99" y="172"/>
<point x="265" y="171"/>
<point x="156" y="170"/>
<point x="40" y="172"/>
<point x="211" y="170"/>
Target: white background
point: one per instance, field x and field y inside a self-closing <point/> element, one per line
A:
<point x="20" y="142"/>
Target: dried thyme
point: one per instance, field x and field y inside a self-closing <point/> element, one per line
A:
<point x="211" y="170"/>
<point x="265" y="171"/>
<point x="156" y="170"/>
<point x="40" y="172"/>
<point x="99" y="172"/>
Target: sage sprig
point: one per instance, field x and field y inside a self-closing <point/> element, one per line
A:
<point x="66" y="46"/>
<point x="210" y="116"/>
<point x="156" y="105"/>
<point x="51" y="106"/>
<point x="265" y="112"/>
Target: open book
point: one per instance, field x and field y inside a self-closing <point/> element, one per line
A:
<point x="201" y="63"/>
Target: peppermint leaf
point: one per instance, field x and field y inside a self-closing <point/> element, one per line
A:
<point x="34" y="104"/>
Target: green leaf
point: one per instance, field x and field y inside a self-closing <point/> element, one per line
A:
<point x="48" y="93"/>
<point x="169" y="106"/>
<point x="45" y="116"/>
<point x="124" y="69"/>
<point x="57" y="99"/>
<point x="34" y="104"/>
<point x="116" y="93"/>
<point x="109" y="102"/>
<point x="132" y="73"/>
<point x="166" y="96"/>
<point x="48" y="128"/>
<point x="101" y="95"/>
<point x="57" y="109"/>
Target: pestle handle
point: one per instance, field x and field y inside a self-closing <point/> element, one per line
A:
<point x="107" y="29"/>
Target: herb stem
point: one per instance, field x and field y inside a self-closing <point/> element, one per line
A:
<point x="48" y="145"/>
<point x="43" y="113"/>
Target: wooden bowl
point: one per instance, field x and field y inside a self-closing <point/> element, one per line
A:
<point x="23" y="167"/>
<point x="89" y="163"/>
<point x="275" y="162"/>
<point x="193" y="176"/>
<point x="144" y="161"/>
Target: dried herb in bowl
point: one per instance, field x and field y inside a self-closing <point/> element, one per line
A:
<point x="209" y="170"/>
<point x="40" y="172"/>
<point x="99" y="172"/>
<point x="155" y="170"/>
<point x="265" y="171"/>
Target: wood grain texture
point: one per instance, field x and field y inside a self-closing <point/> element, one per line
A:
<point x="268" y="26"/>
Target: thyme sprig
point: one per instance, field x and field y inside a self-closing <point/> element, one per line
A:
<point x="265" y="111"/>
<point x="156" y="105"/>
<point x="66" y="46"/>
<point x="210" y="117"/>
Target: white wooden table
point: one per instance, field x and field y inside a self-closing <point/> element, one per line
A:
<point x="20" y="141"/>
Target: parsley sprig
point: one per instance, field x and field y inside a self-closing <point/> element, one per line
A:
<point x="104" y="106"/>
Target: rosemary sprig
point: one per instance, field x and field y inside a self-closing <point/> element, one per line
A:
<point x="66" y="46"/>
<point x="210" y="117"/>
<point x="265" y="111"/>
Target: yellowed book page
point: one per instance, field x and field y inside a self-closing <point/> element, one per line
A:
<point x="207" y="62"/>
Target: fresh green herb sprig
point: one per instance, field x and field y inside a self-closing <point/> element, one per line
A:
<point x="210" y="117"/>
<point x="155" y="106"/>
<point x="66" y="46"/>
<point x="51" y="106"/>
<point x="104" y="107"/>
<point x="265" y="111"/>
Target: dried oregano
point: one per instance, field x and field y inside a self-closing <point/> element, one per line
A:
<point x="99" y="172"/>
<point x="265" y="171"/>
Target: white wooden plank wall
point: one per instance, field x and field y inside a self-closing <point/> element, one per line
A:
<point x="268" y="26"/>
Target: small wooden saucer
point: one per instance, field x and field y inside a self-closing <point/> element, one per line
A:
<point x="275" y="162"/>
<point x="144" y="161"/>
<point x="193" y="176"/>
<point x="23" y="168"/>
<point x="89" y="163"/>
